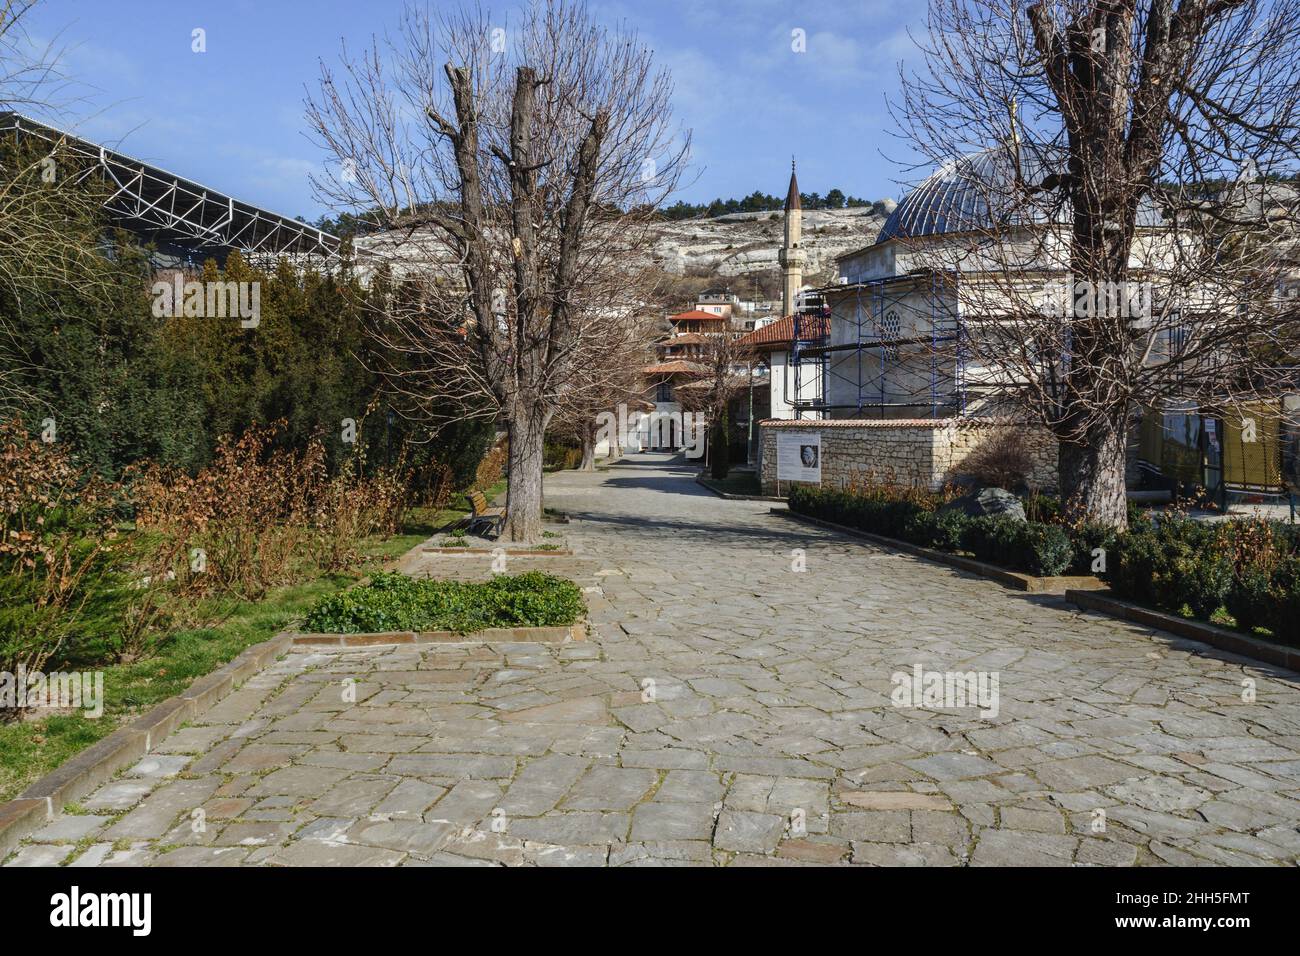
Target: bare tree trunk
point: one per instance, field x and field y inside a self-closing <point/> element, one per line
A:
<point x="718" y="451"/>
<point x="1092" y="475"/>
<point x="588" y="447"/>
<point x="527" y="428"/>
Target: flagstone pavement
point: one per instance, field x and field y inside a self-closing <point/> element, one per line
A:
<point x="727" y="710"/>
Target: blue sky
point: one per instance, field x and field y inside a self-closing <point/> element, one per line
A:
<point x="232" y="117"/>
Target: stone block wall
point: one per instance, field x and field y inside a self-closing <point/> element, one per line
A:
<point x="906" y="451"/>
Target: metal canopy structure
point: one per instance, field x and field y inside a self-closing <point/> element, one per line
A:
<point x="173" y="211"/>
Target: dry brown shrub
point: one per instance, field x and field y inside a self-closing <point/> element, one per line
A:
<point x="1001" y="461"/>
<point x="244" y="521"/>
<point x="352" y="507"/>
<point x="492" y="467"/>
<point x="886" y="486"/>
<point x="58" y="549"/>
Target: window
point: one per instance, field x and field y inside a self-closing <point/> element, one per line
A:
<point x="664" y="392"/>
<point x="891" y="328"/>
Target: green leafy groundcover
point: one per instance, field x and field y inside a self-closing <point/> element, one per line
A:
<point x="391" y="601"/>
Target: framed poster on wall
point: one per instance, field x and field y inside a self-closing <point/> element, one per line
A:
<point x="798" y="456"/>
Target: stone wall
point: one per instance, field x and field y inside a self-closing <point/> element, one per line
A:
<point x="907" y="451"/>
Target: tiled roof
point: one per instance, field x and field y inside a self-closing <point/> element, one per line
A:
<point x="695" y="315"/>
<point x="780" y="333"/>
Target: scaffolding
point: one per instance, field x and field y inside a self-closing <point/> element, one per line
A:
<point x="877" y="332"/>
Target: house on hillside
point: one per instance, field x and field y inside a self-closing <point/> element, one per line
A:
<point x="718" y="302"/>
<point x="677" y="381"/>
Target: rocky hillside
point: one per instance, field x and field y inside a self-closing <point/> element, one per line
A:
<point x="746" y="243"/>
<point x="737" y="245"/>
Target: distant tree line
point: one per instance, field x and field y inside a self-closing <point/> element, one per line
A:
<point x="346" y="224"/>
<point x="758" y="201"/>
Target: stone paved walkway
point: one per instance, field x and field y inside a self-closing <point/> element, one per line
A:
<point x="729" y="710"/>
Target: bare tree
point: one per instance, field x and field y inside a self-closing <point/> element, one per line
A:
<point x="50" y="220"/>
<point x="614" y="375"/>
<point x="1125" y="239"/>
<point x="523" y="163"/>
<point x="727" y="371"/>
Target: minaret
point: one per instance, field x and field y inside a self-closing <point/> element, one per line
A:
<point x="791" y="256"/>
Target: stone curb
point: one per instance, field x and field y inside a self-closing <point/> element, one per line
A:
<point x="493" y="552"/>
<point x="84" y="771"/>
<point x="493" y="635"/>
<point x="1058" y="584"/>
<point x="730" y="497"/>
<point x="1105" y="602"/>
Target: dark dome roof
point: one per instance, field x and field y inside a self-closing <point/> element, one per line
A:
<point x="958" y="195"/>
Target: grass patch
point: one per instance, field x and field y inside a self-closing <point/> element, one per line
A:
<point x="394" y="602"/>
<point x="32" y="748"/>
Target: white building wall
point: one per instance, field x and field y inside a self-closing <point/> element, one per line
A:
<point x="782" y="386"/>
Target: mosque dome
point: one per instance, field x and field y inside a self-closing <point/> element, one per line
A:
<point x="981" y="192"/>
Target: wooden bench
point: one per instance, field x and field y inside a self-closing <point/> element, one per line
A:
<point x="482" y="514"/>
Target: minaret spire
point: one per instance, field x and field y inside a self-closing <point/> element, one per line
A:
<point x="791" y="256"/>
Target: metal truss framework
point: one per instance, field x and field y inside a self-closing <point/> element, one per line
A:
<point x="173" y="210"/>
<point x="873" y="332"/>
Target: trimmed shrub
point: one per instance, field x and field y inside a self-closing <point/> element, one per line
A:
<point x="921" y="529"/>
<point x="1085" y="539"/>
<point x="1250" y="568"/>
<point x="1049" y="550"/>
<point x="1034" y="548"/>
<point x="1252" y="600"/>
<point x="1283" y="616"/>
<point x="1180" y="566"/>
<point x="391" y="601"/>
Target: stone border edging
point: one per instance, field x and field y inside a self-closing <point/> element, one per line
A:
<point x="492" y="552"/>
<point x="1105" y="602"/>
<point x="84" y="771"/>
<point x="1058" y="584"/>
<point x="492" y="635"/>
<point x="730" y="497"/>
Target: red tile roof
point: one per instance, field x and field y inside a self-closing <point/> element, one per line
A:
<point x="780" y="334"/>
<point x="695" y="315"/>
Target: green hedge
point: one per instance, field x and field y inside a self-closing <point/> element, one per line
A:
<point x="391" y="601"/>
<point x="1248" y="569"/>
<point x="1032" y="547"/>
<point x="1251" y="570"/>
